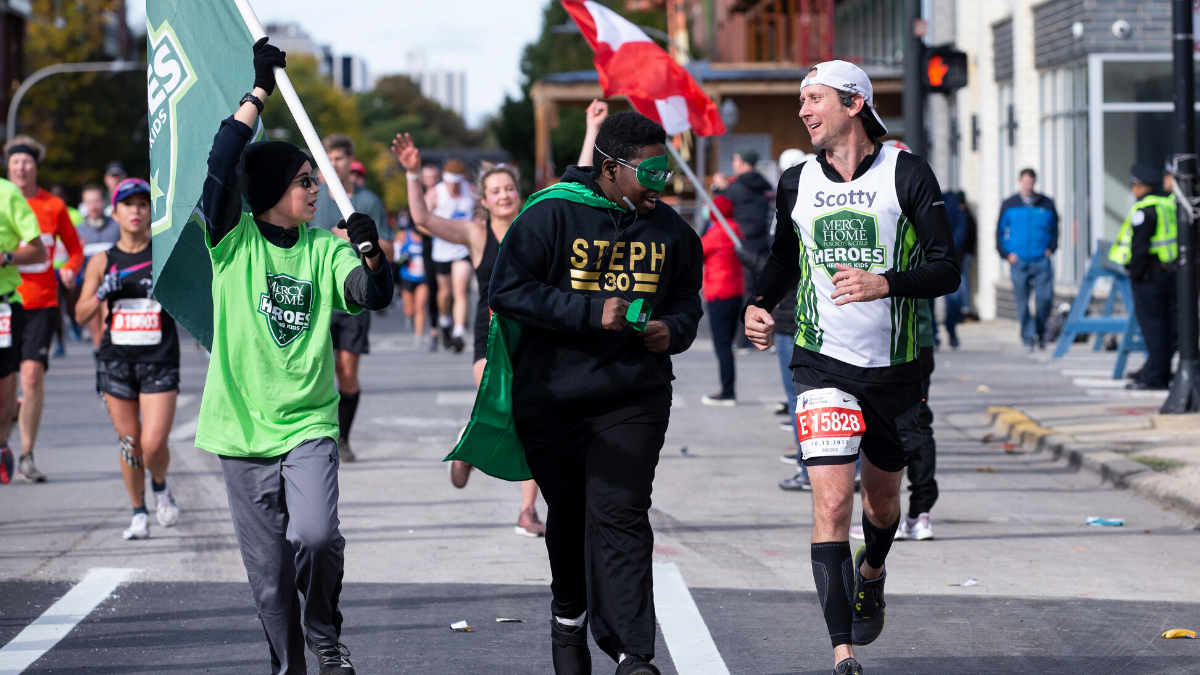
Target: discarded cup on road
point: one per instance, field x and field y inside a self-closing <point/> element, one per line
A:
<point x="1097" y="521"/>
<point x="1180" y="633"/>
<point x="971" y="581"/>
<point x="460" y="627"/>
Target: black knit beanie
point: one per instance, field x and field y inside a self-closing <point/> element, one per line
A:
<point x="270" y="168"/>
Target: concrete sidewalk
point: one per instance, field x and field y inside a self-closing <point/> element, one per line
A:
<point x="1116" y="434"/>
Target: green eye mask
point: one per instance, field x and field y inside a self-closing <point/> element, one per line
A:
<point x="653" y="172"/>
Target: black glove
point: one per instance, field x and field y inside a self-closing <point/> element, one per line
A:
<point x="362" y="233"/>
<point x="111" y="283"/>
<point x="267" y="58"/>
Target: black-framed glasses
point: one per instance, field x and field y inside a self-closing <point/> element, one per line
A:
<point x="307" y="182"/>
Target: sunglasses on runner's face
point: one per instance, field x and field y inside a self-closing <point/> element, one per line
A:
<point x="652" y="172"/>
<point x="307" y="182"/>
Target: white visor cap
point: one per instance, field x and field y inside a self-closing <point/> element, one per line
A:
<point x="846" y="77"/>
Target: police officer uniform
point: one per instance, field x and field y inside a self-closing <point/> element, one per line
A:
<point x="1146" y="245"/>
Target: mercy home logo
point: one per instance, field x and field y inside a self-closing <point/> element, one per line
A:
<point x="847" y="237"/>
<point x="169" y="76"/>
<point x="287" y="306"/>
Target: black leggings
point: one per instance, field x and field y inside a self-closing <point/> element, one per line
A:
<point x="596" y="472"/>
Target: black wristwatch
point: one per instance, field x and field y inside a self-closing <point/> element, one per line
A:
<point x="7" y="259"/>
<point x="251" y="98"/>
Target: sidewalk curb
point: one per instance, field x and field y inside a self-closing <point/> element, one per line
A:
<point x="1122" y="472"/>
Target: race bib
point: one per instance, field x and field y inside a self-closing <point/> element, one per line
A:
<point x="48" y="242"/>
<point x="136" y="322"/>
<point x="830" y="423"/>
<point x="416" y="266"/>
<point x="5" y="325"/>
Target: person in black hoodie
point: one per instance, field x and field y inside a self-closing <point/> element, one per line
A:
<point x="592" y="395"/>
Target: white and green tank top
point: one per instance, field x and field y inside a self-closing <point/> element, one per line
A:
<point x="858" y="224"/>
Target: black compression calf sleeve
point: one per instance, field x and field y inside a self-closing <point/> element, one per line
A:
<point x="879" y="541"/>
<point x="346" y="409"/>
<point x="833" y="572"/>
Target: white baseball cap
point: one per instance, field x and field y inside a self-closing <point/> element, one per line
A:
<point x="846" y="77"/>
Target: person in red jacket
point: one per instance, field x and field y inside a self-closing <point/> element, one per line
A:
<point x="724" y="286"/>
<point x="39" y="291"/>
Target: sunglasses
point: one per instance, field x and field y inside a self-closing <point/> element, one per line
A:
<point x="652" y="172"/>
<point x="307" y="182"/>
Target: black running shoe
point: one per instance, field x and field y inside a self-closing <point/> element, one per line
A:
<point x="570" y="653"/>
<point x="868" y="616"/>
<point x="334" y="660"/>
<point x="457" y="344"/>
<point x="848" y="667"/>
<point x="636" y="665"/>
<point x="445" y="331"/>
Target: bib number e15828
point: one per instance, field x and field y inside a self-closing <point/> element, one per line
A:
<point x="5" y="325"/>
<point x="829" y="422"/>
<point x="136" y="322"/>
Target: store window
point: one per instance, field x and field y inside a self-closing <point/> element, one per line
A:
<point x="1064" y="145"/>
<point x="1007" y="114"/>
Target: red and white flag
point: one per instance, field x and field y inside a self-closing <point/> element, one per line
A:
<point x="631" y="64"/>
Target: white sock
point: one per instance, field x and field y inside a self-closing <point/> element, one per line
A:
<point x="458" y="331"/>
<point x="445" y="321"/>
<point x="577" y="621"/>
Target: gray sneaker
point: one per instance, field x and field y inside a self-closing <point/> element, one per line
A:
<point x="29" y="472"/>
<point x="797" y="482"/>
<point x="867" y="611"/>
<point x="345" y="454"/>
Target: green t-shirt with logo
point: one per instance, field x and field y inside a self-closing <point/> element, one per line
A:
<point x="270" y="384"/>
<point x="18" y="223"/>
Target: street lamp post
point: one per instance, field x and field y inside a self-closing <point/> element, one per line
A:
<point x="1184" y="396"/>
<point x="39" y="75"/>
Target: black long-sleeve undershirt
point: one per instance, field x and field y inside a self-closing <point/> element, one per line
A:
<point x="921" y="202"/>
<point x="221" y="204"/>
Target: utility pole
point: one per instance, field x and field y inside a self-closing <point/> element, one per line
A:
<point x="1184" y="396"/>
<point x="914" y="90"/>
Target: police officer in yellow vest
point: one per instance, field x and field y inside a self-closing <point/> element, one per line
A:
<point x="1146" y="246"/>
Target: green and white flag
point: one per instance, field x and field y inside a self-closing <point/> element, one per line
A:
<point x="200" y="64"/>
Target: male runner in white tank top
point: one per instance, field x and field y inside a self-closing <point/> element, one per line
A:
<point x="452" y="199"/>
<point x="868" y="236"/>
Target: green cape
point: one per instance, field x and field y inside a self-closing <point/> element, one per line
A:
<point x="490" y="442"/>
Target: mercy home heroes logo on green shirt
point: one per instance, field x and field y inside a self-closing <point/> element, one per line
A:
<point x="169" y="76"/>
<point x="288" y="307"/>
<point x="848" y="237"/>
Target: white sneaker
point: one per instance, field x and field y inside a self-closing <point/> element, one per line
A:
<point x="167" y="511"/>
<point x="904" y="529"/>
<point x="856" y="532"/>
<point x="139" y="528"/>
<point x="921" y="528"/>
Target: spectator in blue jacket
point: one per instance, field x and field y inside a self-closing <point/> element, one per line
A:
<point x="1027" y="236"/>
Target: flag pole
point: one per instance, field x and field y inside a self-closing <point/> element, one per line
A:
<point x="687" y="171"/>
<point x="297" y="108"/>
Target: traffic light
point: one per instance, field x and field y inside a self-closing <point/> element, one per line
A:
<point x="945" y="69"/>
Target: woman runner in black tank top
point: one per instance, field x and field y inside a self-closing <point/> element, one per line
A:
<point x="137" y="365"/>
<point x="500" y="202"/>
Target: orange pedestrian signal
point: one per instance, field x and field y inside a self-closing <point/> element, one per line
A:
<point x="945" y="69"/>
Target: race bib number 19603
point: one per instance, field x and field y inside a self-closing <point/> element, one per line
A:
<point x="136" y="322"/>
<point x="830" y="423"/>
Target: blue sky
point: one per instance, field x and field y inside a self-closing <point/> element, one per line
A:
<point x="482" y="37"/>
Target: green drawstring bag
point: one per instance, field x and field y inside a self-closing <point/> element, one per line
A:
<point x="490" y="442"/>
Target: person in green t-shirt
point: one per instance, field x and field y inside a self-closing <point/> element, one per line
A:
<point x="270" y="406"/>
<point x="20" y="244"/>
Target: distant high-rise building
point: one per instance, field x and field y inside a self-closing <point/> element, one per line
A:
<point x="448" y="88"/>
<point x="347" y="71"/>
<point x="350" y="73"/>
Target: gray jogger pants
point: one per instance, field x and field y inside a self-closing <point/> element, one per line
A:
<point x="285" y="516"/>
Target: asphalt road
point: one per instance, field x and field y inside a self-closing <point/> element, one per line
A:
<point x="1053" y="595"/>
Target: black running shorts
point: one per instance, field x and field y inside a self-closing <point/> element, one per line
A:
<point x="893" y="438"/>
<point x="40" y="325"/>
<point x="127" y="379"/>
<point x="350" y="332"/>
<point x="10" y="357"/>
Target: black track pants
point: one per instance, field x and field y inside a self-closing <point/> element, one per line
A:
<point x="920" y="472"/>
<point x="595" y="467"/>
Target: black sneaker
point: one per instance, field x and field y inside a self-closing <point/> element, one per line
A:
<point x="457" y="344"/>
<point x="334" y="660"/>
<point x="848" y="667"/>
<point x="636" y="665"/>
<point x="868" y="615"/>
<point x="570" y="651"/>
<point x="445" y="331"/>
